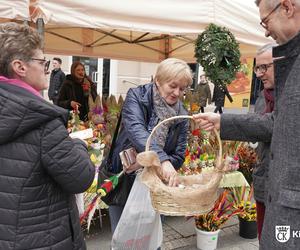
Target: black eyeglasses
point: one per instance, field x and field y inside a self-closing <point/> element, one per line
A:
<point x="264" y="21"/>
<point x="45" y="62"/>
<point x="262" y="68"/>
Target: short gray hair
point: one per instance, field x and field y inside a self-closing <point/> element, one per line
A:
<point x="266" y="47"/>
<point x="16" y="42"/>
<point x="269" y="3"/>
<point x="257" y="2"/>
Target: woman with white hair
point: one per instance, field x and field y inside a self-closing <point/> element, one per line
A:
<point x="143" y="108"/>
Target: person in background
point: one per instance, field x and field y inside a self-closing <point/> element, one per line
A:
<point x="219" y="97"/>
<point x="41" y="166"/>
<point x="75" y="92"/>
<point x="57" y="78"/>
<point x="264" y="70"/>
<point x="281" y="21"/>
<point x="203" y="94"/>
<point x="144" y="107"/>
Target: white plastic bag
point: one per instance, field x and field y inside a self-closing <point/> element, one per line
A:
<point x="140" y="226"/>
<point x="80" y="203"/>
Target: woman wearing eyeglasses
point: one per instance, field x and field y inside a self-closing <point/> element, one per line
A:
<point x="75" y="91"/>
<point x="41" y="166"/>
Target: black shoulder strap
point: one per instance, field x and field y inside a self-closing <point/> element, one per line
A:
<point x="114" y="138"/>
<point x="117" y="131"/>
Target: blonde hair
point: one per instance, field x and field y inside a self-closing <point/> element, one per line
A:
<point x="16" y="42"/>
<point x="173" y="68"/>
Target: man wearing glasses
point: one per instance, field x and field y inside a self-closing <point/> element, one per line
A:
<point x="281" y="128"/>
<point x="264" y="70"/>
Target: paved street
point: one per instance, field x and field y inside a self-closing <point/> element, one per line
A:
<point x="178" y="234"/>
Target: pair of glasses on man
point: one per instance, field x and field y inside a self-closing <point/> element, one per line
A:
<point x="262" y="68"/>
<point x="264" y="21"/>
<point x="45" y="62"/>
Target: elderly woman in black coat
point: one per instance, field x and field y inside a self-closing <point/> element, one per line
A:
<point x="41" y="166"/>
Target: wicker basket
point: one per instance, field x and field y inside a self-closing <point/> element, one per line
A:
<point x="199" y="192"/>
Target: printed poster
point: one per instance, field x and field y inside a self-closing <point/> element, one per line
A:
<point x="240" y="88"/>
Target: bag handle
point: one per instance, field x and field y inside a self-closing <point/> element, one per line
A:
<point x="114" y="138"/>
<point x="219" y="157"/>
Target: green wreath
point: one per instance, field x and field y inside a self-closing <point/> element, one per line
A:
<point x="218" y="53"/>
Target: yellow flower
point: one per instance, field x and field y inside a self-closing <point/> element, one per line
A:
<point x="93" y="187"/>
<point x="93" y="158"/>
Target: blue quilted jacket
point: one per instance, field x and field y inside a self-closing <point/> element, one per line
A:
<point x="138" y="120"/>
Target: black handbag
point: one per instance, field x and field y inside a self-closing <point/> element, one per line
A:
<point x="119" y="195"/>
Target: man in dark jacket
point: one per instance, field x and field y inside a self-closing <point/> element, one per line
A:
<point x="57" y="78"/>
<point x="202" y="92"/>
<point x="280" y="128"/>
<point x="219" y="97"/>
<point x="41" y="166"/>
<point x="264" y="70"/>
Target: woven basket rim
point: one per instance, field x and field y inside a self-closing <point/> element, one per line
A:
<point x="217" y="134"/>
<point x="163" y="200"/>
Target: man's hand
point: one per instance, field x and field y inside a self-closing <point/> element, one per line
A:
<point x="170" y="174"/>
<point x="208" y="121"/>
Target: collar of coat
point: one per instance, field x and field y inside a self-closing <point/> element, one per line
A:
<point x="289" y="49"/>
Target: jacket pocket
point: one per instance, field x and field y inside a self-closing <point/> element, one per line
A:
<point x="289" y="198"/>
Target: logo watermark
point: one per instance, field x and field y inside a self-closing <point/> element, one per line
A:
<point x="282" y="233"/>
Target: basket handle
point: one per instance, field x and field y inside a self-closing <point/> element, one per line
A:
<point x="219" y="159"/>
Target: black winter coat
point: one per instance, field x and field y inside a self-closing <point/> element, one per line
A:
<point x="57" y="78"/>
<point x="219" y="95"/>
<point x="138" y="120"/>
<point x="72" y="91"/>
<point x="41" y="169"/>
<point x="202" y="94"/>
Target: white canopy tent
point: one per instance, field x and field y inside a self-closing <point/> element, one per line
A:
<point x="143" y="30"/>
<point x="14" y="10"/>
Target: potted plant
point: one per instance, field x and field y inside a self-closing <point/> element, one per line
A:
<point x="208" y="225"/>
<point x="242" y="199"/>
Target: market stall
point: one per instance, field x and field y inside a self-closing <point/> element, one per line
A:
<point x="139" y="30"/>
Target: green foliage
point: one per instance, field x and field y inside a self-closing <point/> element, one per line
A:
<point x="217" y="51"/>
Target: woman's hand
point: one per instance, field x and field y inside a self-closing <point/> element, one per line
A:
<point x="75" y="105"/>
<point x="170" y="174"/>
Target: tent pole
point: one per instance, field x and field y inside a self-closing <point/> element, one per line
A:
<point x="40" y="26"/>
<point x="41" y="29"/>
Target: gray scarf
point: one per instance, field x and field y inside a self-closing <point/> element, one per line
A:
<point x="163" y="111"/>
